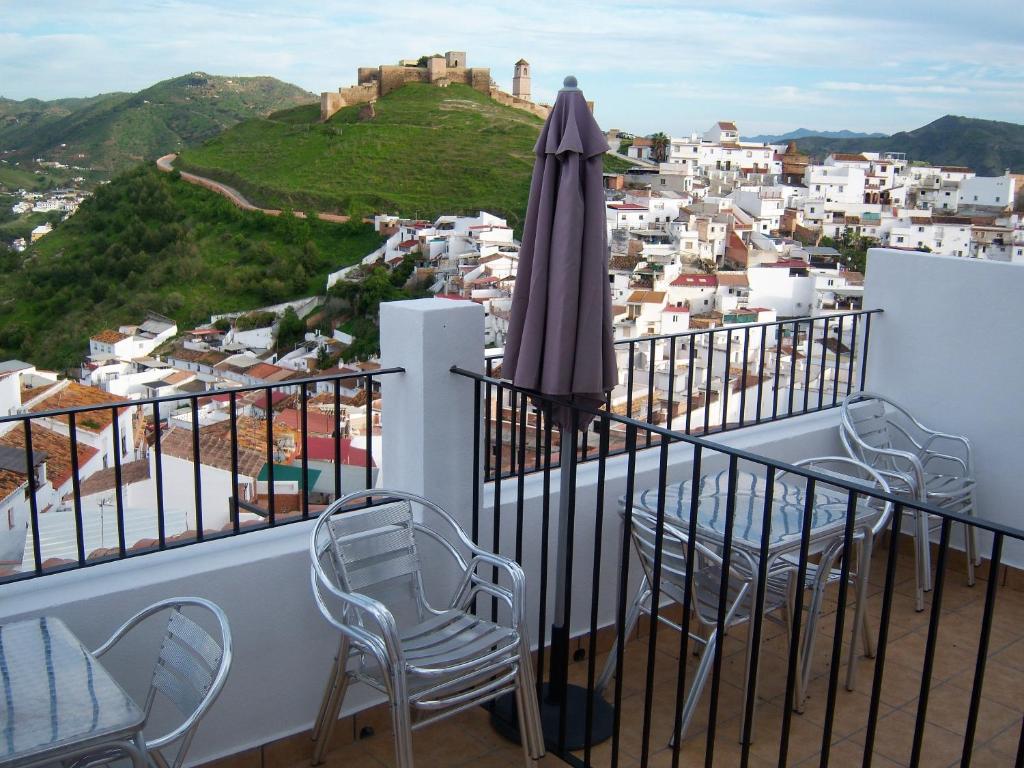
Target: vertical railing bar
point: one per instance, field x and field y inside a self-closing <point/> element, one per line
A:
<point x="760" y="373"/>
<point x="852" y="354"/>
<point x="933" y="637"/>
<point x="232" y="403"/>
<point x="488" y="411"/>
<point x="595" y="599"/>
<point x="271" y="503"/>
<point x="76" y="489"/>
<point x="33" y="503"/>
<point x="337" y="438"/>
<point x="477" y="458"/>
<point x="545" y="525"/>
<point x="369" y="431"/>
<point x="888" y="591"/>
<point x="792" y="365"/>
<point x="758" y="617"/>
<point x="824" y="360"/>
<point x="630" y="362"/>
<point x="864" y="351"/>
<point x="808" y="359"/>
<point x="743" y="378"/>
<point x="623" y="596"/>
<point x="692" y="355"/>
<point x="536" y="435"/>
<point x="197" y="473"/>
<point x="512" y="422"/>
<point x="726" y="379"/>
<point x="723" y="599"/>
<point x="777" y="372"/>
<point x="792" y="668"/>
<point x="115" y="437"/>
<point x="304" y="404"/>
<point x="838" y="353"/>
<point x="687" y="608"/>
<point x="652" y="636"/>
<point x="498" y="474"/>
<point x="158" y="461"/>
<point x="837" y="640"/>
<point x="671" y="382"/>
<point x="650" y="388"/>
<point x="707" y="381"/>
<point x="521" y="480"/>
<point x="983" y="643"/>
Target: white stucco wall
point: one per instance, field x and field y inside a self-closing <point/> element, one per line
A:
<point x="957" y="372"/>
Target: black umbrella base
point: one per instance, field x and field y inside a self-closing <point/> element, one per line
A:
<point x="505" y="719"/>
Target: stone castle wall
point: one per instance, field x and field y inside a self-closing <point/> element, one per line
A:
<point x="509" y="100"/>
<point x="374" y="82"/>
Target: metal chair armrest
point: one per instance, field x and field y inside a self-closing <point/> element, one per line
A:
<point x="383" y="646"/>
<point x="474" y="582"/>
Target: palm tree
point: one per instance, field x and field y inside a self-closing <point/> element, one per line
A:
<point x="659" y="146"/>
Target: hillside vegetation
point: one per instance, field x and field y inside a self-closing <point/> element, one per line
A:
<point x="989" y="147"/>
<point x="114" y="131"/>
<point x="149" y="241"/>
<point x="427" y="151"/>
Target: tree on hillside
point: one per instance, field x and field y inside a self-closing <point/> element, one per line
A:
<point x="290" y="331"/>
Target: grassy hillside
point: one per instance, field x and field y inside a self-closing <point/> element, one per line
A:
<point x="427" y="151"/>
<point x="151" y="241"/>
<point x="116" y="130"/>
<point x="987" y="146"/>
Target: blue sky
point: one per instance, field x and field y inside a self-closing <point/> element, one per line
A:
<point x="672" y="66"/>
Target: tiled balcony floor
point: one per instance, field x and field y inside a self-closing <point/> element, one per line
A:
<point x="469" y="740"/>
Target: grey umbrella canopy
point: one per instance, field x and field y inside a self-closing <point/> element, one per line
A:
<point x="559" y="339"/>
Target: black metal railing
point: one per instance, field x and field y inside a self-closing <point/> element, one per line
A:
<point x="702" y="381"/>
<point x="923" y="699"/>
<point x="226" y="447"/>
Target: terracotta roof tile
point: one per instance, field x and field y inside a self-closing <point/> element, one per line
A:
<point x="646" y="297"/>
<point x="690" y="281"/>
<point x="214" y="451"/>
<point x="109" y="337"/>
<point x="10" y="482"/>
<point x="75" y="395"/>
<point x="57" y="448"/>
<point x="104" y="480"/>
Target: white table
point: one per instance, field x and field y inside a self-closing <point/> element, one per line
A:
<point x="57" y="702"/>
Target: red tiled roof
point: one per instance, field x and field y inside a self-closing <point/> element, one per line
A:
<point x="57" y="448"/>
<point x="316" y="423"/>
<point x="689" y="281"/>
<point x="408" y="243"/>
<point x="74" y="395"/>
<point x="684" y="310"/>
<point x="322" y="449"/>
<point x="109" y="337"/>
<point x="627" y="207"/>
<point x="727" y="126"/>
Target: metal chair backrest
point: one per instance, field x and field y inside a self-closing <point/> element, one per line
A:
<point x="872" y="424"/>
<point x="373" y="552"/>
<point x="674" y="556"/>
<point x="849" y="470"/>
<point x="190" y="671"/>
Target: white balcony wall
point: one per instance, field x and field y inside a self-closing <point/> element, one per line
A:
<point x="957" y="372"/>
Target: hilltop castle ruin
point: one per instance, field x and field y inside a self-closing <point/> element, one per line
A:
<point x="374" y="82"/>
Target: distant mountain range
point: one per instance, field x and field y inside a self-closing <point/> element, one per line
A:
<point x="988" y="147"/>
<point x="114" y="131"/>
<point x="803" y="133"/>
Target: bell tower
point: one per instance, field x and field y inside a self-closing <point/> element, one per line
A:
<point x="521" y="80"/>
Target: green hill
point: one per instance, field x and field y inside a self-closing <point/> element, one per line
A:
<point x="989" y="147"/>
<point x="114" y="131"/>
<point x="427" y="151"/>
<point x="149" y="241"/>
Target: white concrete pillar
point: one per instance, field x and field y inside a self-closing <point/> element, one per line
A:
<point x="428" y="411"/>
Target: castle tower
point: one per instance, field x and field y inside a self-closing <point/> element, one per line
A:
<point x="521" y="80"/>
<point x="455" y="59"/>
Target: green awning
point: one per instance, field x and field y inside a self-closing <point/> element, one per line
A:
<point x="290" y="473"/>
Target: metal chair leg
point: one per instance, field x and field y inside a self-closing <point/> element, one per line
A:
<point x="697" y="686"/>
<point x="330" y="707"/>
<point x="401" y="721"/>
<point x="970" y="550"/>
<point x="632" y="617"/>
<point x="859" y="615"/>
<point x="529" y="710"/>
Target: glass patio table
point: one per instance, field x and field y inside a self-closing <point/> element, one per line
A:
<point x="57" y="703"/>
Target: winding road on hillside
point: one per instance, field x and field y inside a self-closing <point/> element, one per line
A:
<point x="166" y="164"/>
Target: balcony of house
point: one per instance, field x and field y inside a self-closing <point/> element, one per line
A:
<point x="932" y="687"/>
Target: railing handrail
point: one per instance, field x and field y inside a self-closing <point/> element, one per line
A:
<point x="31" y="415"/>
<point x="745" y="455"/>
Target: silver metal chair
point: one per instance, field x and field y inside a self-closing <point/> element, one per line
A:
<point x="367" y="579"/>
<point x="917" y="462"/>
<point x="190" y="672"/>
<point x="821" y="574"/>
<point x="707" y="572"/>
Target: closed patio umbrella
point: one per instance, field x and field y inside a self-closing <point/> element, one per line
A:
<point x="559" y="341"/>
